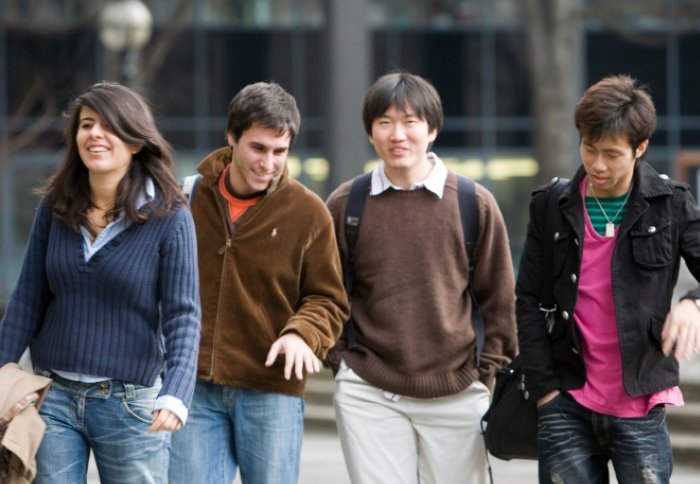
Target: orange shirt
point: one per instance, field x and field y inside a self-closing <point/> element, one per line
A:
<point x="236" y="206"/>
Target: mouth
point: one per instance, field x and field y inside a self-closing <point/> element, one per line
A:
<point x="265" y="174"/>
<point x="397" y="151"/>
<point x="97" y="149"/>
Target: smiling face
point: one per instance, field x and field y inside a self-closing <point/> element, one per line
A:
<point x="401" y="139"/>
<point x="259" y="155"/>
<point x="101" y="151"/>
<point x="609" y="163"/>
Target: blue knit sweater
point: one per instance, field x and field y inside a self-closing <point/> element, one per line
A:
<point x="131" y="312"/>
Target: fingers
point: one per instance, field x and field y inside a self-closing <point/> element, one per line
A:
<point x="290" y="363"/>
<point x="680" y="335"/>
<point x="668" y="335"/>
<point x="273" y="353"/>
<point x="298" y="357"/>
<point x="164" y="420"/>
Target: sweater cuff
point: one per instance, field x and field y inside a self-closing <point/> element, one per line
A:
<point x="174" y="405"/>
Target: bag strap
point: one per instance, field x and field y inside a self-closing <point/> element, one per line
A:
<point x="189" y="186"/>
<point x="353" y="213"/>
<point x="469" y="218"/>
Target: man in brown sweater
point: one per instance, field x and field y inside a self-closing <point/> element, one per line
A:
<point x="409" y="394"/>
<point x="272" y="296"/>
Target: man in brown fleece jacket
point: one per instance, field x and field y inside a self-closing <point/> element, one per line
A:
<point x="409" y="394"/>
<point x="272" y="295"/>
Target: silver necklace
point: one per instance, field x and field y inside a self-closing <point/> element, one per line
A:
<point x="610" y="226"/>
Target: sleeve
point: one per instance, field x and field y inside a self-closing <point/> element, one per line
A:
<point x="535" y="347"/>
<point x="689" y="236"/>
<point x="32" y="294"/>
<point x="494" y="287"/>
<point x="180" y="307"/>
<point x="324" y="306"/>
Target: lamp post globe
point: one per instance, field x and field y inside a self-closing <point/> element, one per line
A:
<point x="125" y="25"/>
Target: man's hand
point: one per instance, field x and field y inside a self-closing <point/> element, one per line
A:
<point x="298" y="356"/>
<point x="682" y="331"/>
<point x="164" y="420"/>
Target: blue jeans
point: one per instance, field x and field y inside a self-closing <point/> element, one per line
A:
<point x="230" y="428"/>
<point x="109" y="417"/>
<point x="575" y="445"/>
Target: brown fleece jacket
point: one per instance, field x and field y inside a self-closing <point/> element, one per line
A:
<point x="276" y="270"/>
<point x="410" y="305"/>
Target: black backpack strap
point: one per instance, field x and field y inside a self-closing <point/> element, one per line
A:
<point x="469" y="216"/>
<point x="189" y="186"/>
<point x="353" y="213"/>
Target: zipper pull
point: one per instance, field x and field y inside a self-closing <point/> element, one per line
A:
<point x="223" y="249"/>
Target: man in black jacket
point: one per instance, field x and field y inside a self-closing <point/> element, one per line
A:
<point x="606" y="365"/>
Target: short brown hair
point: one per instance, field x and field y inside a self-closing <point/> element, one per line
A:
<point x="264" y="104"/>
<point x="616" y="106"/>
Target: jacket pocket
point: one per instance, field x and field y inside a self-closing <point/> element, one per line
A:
<point x="651" y="244"/>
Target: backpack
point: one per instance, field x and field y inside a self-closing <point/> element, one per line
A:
<point x="189" y="186"/>
<point x="466" y="193"/>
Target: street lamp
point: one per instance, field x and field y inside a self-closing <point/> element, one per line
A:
<point x="125" y="28"/>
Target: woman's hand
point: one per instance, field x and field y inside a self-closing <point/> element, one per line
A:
<point x="164" y="420"/>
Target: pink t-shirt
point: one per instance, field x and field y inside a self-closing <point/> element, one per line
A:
<point x="603" y="391"/>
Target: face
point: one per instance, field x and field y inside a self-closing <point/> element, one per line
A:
<point x="102" y="152"/>
<point x="609" y="163"/>
<point x="402" y="139"/>
<point x="259" y="155"/>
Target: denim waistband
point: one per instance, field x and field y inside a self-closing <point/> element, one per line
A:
<point x="102" y="389"/>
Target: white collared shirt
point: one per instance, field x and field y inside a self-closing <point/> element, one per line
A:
<point x="434" y="182"/>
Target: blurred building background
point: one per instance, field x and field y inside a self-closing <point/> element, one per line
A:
<point x="508" y="71"/>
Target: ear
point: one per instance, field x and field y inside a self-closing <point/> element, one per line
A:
<point x="230" y="140"/>
<point x="641" y="149"/>
<point x="432" y="134"/>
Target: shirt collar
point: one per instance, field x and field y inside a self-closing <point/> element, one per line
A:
<point x="147" y="194"/>
<point x="434" y="182"/>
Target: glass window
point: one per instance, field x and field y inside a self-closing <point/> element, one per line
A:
<point x="261" y="13"/>
<point x="689" y="46"/>
<point x="511" y="77"/>
<point x="441" y="14"/>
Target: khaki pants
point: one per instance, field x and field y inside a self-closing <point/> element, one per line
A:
<point x="388" y="439"/>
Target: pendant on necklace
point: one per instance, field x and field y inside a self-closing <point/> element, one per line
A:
<point x="609" y="229"/>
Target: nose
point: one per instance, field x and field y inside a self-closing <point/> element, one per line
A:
<point x="397" y="132"/>
<point x="267" y="161"/>
<point x="598" y="163"/>
<point x="96" y="131"/>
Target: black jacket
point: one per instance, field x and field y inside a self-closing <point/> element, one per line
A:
<point x="661" y="224"/>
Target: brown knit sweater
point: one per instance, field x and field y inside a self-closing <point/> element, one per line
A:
<point x="411" y="307"/>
